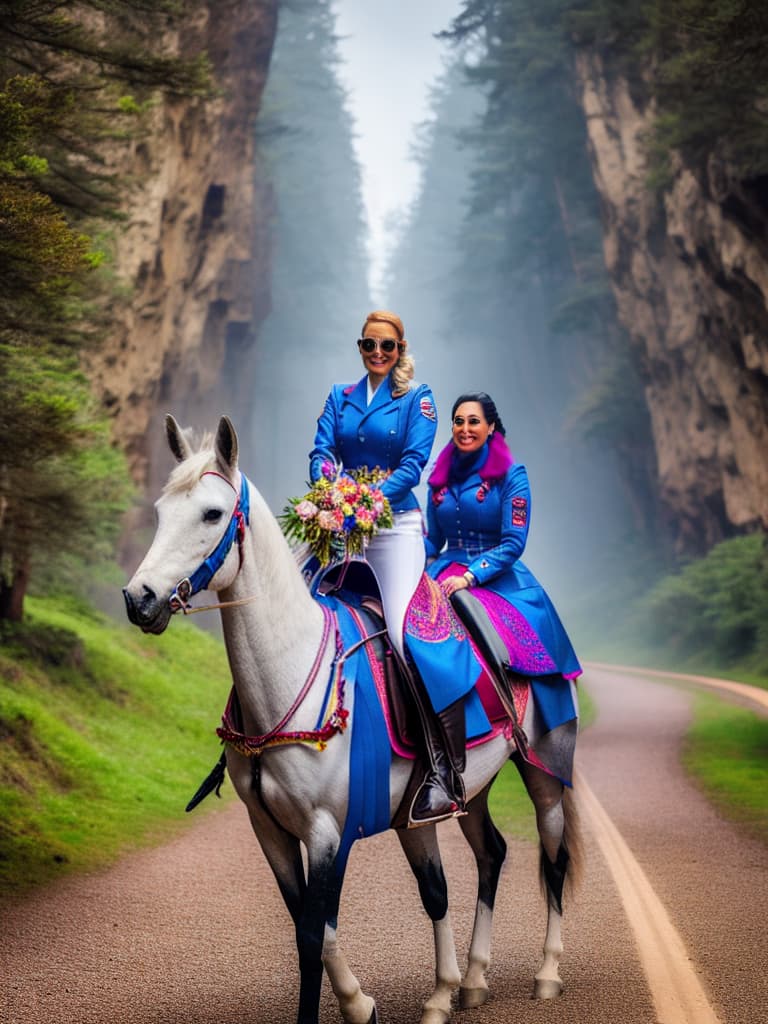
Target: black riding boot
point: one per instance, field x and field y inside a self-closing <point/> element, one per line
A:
<point x="441" y="794"/>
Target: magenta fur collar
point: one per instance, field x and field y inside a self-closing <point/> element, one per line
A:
<point x="495" y="466"/>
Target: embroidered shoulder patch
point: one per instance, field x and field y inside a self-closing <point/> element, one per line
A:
<point x="519" y="511"/>
<point x="427" y="409"/>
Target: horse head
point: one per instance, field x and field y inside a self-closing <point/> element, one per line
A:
<point x="200" y="514"/>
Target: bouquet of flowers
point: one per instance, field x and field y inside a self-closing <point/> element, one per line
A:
<point x="341" y="512"/>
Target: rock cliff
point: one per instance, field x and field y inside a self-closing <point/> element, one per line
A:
<point x="192" y="250"/>
<point x="690" y="276"/>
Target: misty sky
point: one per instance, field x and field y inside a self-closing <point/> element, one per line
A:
<point x="390" y="60"/>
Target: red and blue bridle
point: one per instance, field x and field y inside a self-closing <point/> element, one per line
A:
<point x="202" y="576"/>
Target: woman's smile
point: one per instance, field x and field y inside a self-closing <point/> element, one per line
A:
<point x="470" y="427"/>
<point x="384" y="352"/>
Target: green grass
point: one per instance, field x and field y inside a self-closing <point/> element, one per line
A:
<point x="726" y="751"/>
<point x="511" y="806"/>
<point x="104" y="736"/>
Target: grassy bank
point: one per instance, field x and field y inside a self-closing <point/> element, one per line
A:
<point x="726" y="752"/>
<point x="104" y="736"/>
<point x="106" y="733"/>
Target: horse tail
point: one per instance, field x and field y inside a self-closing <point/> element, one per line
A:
<point x="573" y="840"/>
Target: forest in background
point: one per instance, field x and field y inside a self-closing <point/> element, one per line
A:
<point x="505" y="242"/>
<point x="499" y="275"/>
<point x="319" y="281"/>
<point x="66" y="88"/>
<point x="498" y="271"/>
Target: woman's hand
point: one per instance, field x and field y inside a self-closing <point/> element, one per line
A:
<point x="453" y="583"/>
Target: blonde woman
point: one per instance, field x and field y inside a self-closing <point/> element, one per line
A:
<point x="386" y="420"/>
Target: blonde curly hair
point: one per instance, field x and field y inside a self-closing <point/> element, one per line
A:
<point x="403" y="371"/>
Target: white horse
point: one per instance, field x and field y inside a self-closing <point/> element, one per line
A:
<point x="277" y="638"/>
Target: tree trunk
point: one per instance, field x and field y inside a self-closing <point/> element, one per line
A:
<point x="12" y="594"/>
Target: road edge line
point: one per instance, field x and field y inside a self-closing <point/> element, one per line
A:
<point x="677" y="993"/>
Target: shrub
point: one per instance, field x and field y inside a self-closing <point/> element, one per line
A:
<point x="715" y="609"/>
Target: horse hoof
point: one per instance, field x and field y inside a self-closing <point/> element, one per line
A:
<point x="432" y="1015"/>
<point x="547" y="988"/>
<point x="469" y="998"/>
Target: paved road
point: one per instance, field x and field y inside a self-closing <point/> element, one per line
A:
<point x="195" y="933"/>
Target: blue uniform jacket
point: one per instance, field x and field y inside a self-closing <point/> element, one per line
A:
<point x="482" y="523"/>
<point x="392" y="433"/>
<point x="481" y="534"/>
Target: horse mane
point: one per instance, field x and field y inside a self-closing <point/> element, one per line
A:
<point x="187" y="473"/>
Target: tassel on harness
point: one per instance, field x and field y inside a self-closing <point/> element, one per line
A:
<point x="213" y="781"/>
<point x="254" y="746"/>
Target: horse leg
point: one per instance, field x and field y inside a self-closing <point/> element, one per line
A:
<point x="421" y="848"/>
<point x="489" y="849"/>
<point x="546" y="793"/>
<point x="316" y="935"/>
<point x="313" y="905"/>
<point x="283" y="854"/>
<point x="322" y="885"/>
<point x="355" y="1006"/>
<point x="305" y="898"/>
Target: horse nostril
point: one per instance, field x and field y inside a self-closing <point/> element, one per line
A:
<point x="141" y="607"/>
<point x="130" y="606"/>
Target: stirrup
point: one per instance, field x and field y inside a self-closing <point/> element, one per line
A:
<point x="452" y="807"/>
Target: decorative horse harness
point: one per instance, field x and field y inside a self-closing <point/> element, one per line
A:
<point x="335" y="714"/>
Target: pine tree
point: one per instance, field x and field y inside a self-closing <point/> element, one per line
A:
<point x="63" y="82"/>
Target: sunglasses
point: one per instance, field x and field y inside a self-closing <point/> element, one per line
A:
<point x="371" y="344"/>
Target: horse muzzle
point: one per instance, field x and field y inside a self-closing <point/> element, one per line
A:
<point x="148" y="612"/>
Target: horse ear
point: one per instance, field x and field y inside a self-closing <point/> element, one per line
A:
<point x="226" y="444"/>
<point x="176" y="439"/>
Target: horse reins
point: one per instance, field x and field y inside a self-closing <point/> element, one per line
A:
<point x="202" y="576"/>
<point x="253" y="746"/>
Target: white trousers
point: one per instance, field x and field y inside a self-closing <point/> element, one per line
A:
<point x="397" y="558"/>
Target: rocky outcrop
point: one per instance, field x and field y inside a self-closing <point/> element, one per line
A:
<point x="192" y="251"/>
<point x="690" y="276"/>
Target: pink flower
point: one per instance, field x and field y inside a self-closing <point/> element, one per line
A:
<point x="306" y="510"/>
<point x="327" y="520"/>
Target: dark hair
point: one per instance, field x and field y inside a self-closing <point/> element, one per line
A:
<point x="489" y="409"/>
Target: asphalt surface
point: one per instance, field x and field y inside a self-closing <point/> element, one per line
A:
<point x="194" y="932"/>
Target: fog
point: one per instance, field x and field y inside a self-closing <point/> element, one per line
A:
<point x="370" y="213"/>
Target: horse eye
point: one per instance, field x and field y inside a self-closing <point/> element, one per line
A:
<point x="212" y="515"/>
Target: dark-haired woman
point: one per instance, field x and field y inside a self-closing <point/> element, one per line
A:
<point x="478" y="516"/>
